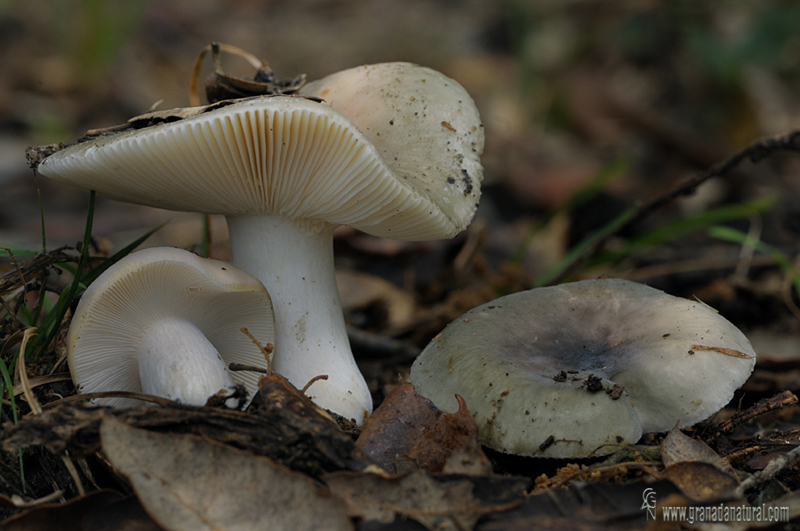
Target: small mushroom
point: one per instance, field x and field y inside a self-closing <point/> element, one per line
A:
<point x="399" y="159"/>
<point x="578" y="369"/>
<point x="166" y="322"/>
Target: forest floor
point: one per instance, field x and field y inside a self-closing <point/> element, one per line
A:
<point x="652" y="143"/>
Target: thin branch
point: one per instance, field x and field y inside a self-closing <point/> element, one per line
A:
<point x="755" y="153"/>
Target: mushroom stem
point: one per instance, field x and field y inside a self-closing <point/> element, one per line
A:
<point x="294" y="261"/>
<point x="177" y="361"/>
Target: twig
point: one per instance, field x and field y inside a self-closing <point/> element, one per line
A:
<point x="773" y="467"/>
<point x="243" y="367"/>
<point x="21" y="503"/>
<point x="781" y="400"/>
<point x="755" y="153"/>
<point x="312" y="380"/>
<point x="266" y="351"/>
<point x="42" y="380"/>
<point x="18" y="276"/>
<point x="112" y="394"/>
<point x="215" y="48"/>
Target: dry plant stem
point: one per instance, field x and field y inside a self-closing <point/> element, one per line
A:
<point x="194" y="95"/>
<point x="22" y="374"/>
<point x="50" y="498"/>
<point x="755" y="153"/>
<point x="112" y="394"/>
<point x="748" y="451"/>
<point x="266" y="351"/>
<point x="779" y="401"/>
<point x="773" y="467"/>
<point x="18" y="277"/>
<point x="692" y="265"/>
<point x="42" y="380"/>
<point x="560" y="480"/>
<point x="36" y="409"/>
<point x="250" y="368"/>
<point x="17" y="270"/>
<point x="312" y="380"/>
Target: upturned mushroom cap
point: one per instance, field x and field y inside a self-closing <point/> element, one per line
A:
<point x="285" y="171"/>
<point x="589" y="363"/>
<point x="400" y="160"/>
<point x="160" y="298"/>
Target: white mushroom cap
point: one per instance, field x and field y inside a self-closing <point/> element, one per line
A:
<point x="300" y="159"/>
<point x="286" y="171"/>
<point x="167" y="322"/>
<point x="423" y="124"/>
<point x="587" y="363"/>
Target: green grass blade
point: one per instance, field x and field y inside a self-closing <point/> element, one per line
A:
<point x="8" y="384"/>
<point x="578" y="250"/>
<point x="582" y="195"/>
<point x="67" y="295"/>
<point x="90" y="277"/>
<point x="783" y="261"/>
<point x="681" y="228"/>
<point x="41" y="216"/>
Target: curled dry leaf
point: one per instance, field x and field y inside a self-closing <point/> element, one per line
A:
<point x="695" y="468"/>
<point x="437" y="502"/>
<point x="678" y="447"/>
<point x="188" y="483"/>
<point x="408" y="432"/>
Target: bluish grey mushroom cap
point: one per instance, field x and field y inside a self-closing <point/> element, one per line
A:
<point x="577" y="369"/>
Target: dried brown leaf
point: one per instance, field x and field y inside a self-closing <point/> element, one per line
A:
<point x="440" y="503"/>
<point x="407" y="432"/>
<point x="188" y="483"/>
<point x="678" y="447"/>
<point x="700" y="481"/>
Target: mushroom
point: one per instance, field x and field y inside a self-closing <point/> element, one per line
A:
<point x="166" y="322"/>
<point x="580" y="368"/>
<point x="395" y="153"/>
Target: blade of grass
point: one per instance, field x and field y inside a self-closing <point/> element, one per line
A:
<point x="90" y="277"/>
<point x="578" y="250"/>
<point x="9" y="385"/>
<point x="67" y="295"/>
<point x="602" y="178"/>
<point x="20" y="252"/>
<point x="783" y="261"/>
<point x="683" y="227"/>
<point x="51" y="322"/>
<point x="41" y="216"/>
